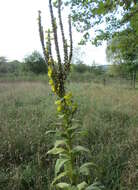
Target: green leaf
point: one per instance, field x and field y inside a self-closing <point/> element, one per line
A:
<point x="72" y="129"/>
<point x="85" y="168"/>
<point x="73" y="188"/>
<point x="56" y="151"/>
<point x="85" y="171"/>
<point x="81" y="133"/>
<point x="87" y="165"/>
<point x="50" y="132"/>
<point x="61" y="175"/>
<point x="79" y="149"/>
<point x="59" y="164"/>
<point x="93" y="186"/>
<point x="61" y="116"/>
<point x="66" y="155"/>
<point x="82" y="185"/>
<point x="63" y="185"/>
<point x="60" y="142"/>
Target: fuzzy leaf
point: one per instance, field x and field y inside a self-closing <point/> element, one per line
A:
<point x="56" y="151"/>
<point x="72" y="129"/>
<point x="93" y="186"/>
<point x="82" y="185"/>
<point x="60" y="142"/>
<point x="73" y="188"/>
<point x="82" y="133"/>
<point x="61" y="175"/>
<point x="50" y="132"/>
<point x="63" y="185"/>
<point x="79" y="149"/>
<point x="61" y="116"/>
<point x="88" y="164"/>
<point x="85" y="168"/>
<point x="59" y="164"/>
<point x="85" y="171"/>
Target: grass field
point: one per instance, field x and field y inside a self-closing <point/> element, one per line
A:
<point x="109" y="115"/>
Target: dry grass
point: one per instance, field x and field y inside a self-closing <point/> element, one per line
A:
<point x="108" y="114"/>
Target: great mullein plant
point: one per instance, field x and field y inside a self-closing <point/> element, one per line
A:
<point x="68" y="174"/>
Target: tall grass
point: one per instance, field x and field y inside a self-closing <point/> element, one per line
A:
<point x="107" y="114"/>
<point x="86" y="77"/>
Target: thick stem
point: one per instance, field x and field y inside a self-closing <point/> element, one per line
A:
<point x="72" y="160"/>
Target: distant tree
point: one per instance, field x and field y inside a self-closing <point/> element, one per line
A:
<point x="7" y="67"/>
<point x="96" y="69"/>
<point x="14" y="67"/>
<point x="81" y="68"/>
<point x="117" y="70"/>
<point x="78" y="55"/>
<point x="3" y="65"/>
<point x="77" y="60"/>
<point x="3" y="60"/>
<point x="35" y="63"/>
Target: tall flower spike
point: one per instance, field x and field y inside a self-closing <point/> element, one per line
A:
<point x="54" y="27"/>
<point x="48" y="47"/>
<point x="49" y="44"/>
<point x="67" y="65"/>
<point x="68" y="174"/>
<point x="41" y="34"/>
<point x="65" y="46"/>
<point x="71" y="40"/>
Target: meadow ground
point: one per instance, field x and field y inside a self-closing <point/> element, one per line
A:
<point x="109" y="116"/>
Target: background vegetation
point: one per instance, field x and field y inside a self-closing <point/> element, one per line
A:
<point x="33" y="69"/>
<point x="110" y="122"/>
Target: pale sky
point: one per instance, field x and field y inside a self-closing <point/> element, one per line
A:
<point x="19" y="30"/>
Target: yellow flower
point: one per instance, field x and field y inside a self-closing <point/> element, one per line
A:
<point x="49" y="72"/>
<point x="68" y="96"/>
<point x="59" y="108"/>
<point x="49" y="61"/>
<point x="58" y="102"/>
<point x="51" y="82"/>
<point x="53" y="88"/>
<point x="68" y="102"/>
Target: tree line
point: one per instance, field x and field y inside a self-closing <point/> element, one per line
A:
<point x="35" y="63"/>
